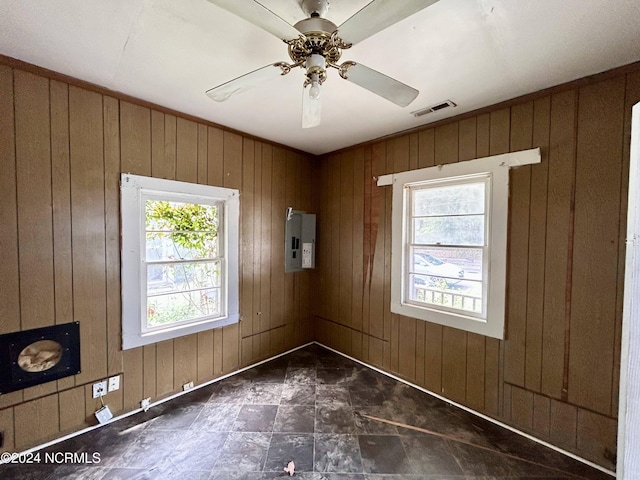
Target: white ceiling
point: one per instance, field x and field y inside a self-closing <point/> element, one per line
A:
<point x="474" y="52"/>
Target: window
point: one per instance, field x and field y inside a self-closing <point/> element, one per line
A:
<point x="179" y="258"/>
<point x="449" y="242"/>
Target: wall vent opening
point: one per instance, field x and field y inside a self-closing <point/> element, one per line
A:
<point x="433" y="108"/>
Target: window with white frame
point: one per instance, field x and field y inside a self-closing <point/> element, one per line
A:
<point x="179" y="258"/>
<point x="449" y="242"/>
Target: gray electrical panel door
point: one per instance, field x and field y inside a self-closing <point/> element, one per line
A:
<point x="299" y="241"/>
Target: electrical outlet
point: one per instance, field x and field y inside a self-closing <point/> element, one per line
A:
<point x="187" y="386"/>
<point x="100" y="389"/>
<point x="114" y="383"/>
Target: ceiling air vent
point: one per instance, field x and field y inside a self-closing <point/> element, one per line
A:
<point x="433" y="108"/>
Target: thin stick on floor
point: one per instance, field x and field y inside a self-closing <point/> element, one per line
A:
<point x="459" y="440"/>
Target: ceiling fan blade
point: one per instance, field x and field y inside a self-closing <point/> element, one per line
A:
<point x="256" y="13"/>
<point x="245" y="82"/>
<point x="380" y="84"/>
<point x="376" y="16"/>
<point x="311" y="109"/>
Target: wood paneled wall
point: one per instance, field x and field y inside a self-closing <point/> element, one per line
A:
<point x="62" y="149"/>
<point x="556" y="373"/>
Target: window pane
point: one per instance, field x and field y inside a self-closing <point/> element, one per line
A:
<point x="467" y="230"/>
<point x="181" y="231"/>
<point x="163" y="216"/>
<point x="449" y="200"/>
<point x="435" y="291"/>
<point x="162" y="279"/>
<point x="163" y="246"/>
<point x="181" y="306"/>
<point x="455" y="265"/>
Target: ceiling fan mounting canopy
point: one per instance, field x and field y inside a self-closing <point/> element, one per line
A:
<point x="315" y="43"/>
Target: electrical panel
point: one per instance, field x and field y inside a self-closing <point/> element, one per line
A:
<point x="299" y="241"/>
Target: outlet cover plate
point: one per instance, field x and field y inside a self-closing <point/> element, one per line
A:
<point x="99" y="389"/>
<point x="114" y="383"/>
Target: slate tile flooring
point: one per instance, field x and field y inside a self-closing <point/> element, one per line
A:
<point x="309" y="406"/>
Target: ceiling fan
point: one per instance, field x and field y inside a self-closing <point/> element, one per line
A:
<point x="316" y="43"/>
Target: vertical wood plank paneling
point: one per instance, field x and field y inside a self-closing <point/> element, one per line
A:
<point x="522" y="407"/>
<point x="111" y="119"/>
<point x="35" y="200"/>
<point x="475" y="387"/>
<point x="357" y="279"/>
<point x="345" y="223"/>
<point x="433" y="357"/>
<point x="247" y="240"/>
<point x="483" y="135"/>
<point x="537" y="245"/>
<point x="186" y="151"/>
<point x="162" y="165"/>
<point x="378" y="213"/>
<point x="168" y="166"/>
<point x="264" y="314"/>
<point x="564" y="423"/>
<point x="367" y="258"/>
<point x="72" y="409"/>
<point x="61" y="203"/>
<point x="88" y="231"/>
<point x="467" y="132"/>
<point x="597" y="218"/>
<point x="559" y="227"/>
<point x="426" y="148"/>
<point x="541" y="415"/>
<point x="164" y="367"/>
<point x="596" y="438"/>
<point x="33" y="175"/>
<point x="149" y="373"/>
<point x="407" y="351"/>
<point x="203" y="160"/>
<point x="257" y="242"/>
<point x="499" y="122"/>
<point x="36" y="420"/>
<point x="278" y="208"/>
<point x="10" y="291"/>
<point x="454" y="363"/>
<point x="215" y="156"/>
<point x="518" y="255"/>
<point x="334" y="218"/>
<point x="291" y="199"/>
<point x="246" y="237"/>
<point x="420" y="352"/>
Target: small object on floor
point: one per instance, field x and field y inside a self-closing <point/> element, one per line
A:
<point x="290" y="468"/>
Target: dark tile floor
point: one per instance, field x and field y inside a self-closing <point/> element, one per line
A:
<point x="310" y="406"/>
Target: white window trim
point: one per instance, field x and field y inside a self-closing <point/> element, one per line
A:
<point x="134" y="296"/>
<point x="498" y="168"/>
